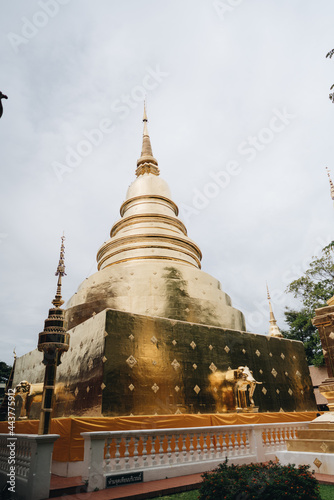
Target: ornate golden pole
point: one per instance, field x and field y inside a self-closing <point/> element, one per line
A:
<point x="53" y="341"/>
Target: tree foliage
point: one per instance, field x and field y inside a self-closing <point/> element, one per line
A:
<point x="314" y="288"/>
<point x="4" y="371"/>
<point x="331" y="96"/>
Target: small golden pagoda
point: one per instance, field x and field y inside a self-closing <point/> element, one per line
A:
<point x="274" y="331"/>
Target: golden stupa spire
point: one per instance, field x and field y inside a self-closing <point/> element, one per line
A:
<point x="146" y="164"/>
<point x="330" y="183"/>
<point x="274" y="331"/>
<point x="58" y="301"/>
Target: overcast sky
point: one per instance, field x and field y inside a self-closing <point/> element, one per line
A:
<point x="240" y="122"/>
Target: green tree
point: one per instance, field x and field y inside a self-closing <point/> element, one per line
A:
<point x="314" y="288"/>
<point x="4" y="371"/>
<point x="331" y="96"/>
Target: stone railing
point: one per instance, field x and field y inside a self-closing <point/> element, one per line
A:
<point x="25" y="465"/>
<point x="113" y="458"/>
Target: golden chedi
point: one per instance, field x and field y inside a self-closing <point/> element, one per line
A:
<point x="152" y="334"/>
<point x="149" y="265"/>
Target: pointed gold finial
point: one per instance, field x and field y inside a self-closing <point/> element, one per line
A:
<point x="274" y="331"/>
<point x="330" y="183"/>
<point x="145" y="115"/>
<point x="268" y="294"/>
<point x="14" y="352"/>
<point x="146" y="163"/>
<point x="58" y="301"/>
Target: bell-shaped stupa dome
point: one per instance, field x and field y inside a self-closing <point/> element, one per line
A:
<point x="149" y="265"/>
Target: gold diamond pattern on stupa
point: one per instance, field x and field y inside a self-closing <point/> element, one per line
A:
<point x="274" y="372"/>
<point x="264" y="390"/>
<point x="324" y="447"/>
<point x="194" y="366"/>
<point x="155" y="388"/>
<point x="298" y="373"/>
<point x="131" y="337"/>
<point x="257" y="352"/>
<point x="213" y="367"/>
<point x="290" y="391"/>
<point x="294" y="357"/>
<point x="286" y="374"/>
<point x="178" y="412"/>
<point x="277" y="391"/>
<point x="197" y="389"/>
<point x="131" y="387"/>
<point x="103" y="386"/>
<point x="271" y="354"/>
<point x="244" y="351"/>
<point x="87" y="389"/>
<point x="317" y="463"/>
<point x="210" y="347"/>
<point x="282" y="356"/>
<point x="192" y="344"/>
<point x="154" y="363"/>
<point x="177" y="388"/>
<point x="227" y="349"/>
<point x="174" y="342"/>
<point x="331" y="335"/>
<point x="261" y="371"/>
<point x="76" y="391"/>
<point x="302" y="392"/>
<point x="175" y="364"/>
<point x="154" y="340"/>
<point x="104" y="359"/>
<point x="131" y="361"/>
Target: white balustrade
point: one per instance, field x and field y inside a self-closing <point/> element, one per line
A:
<point x="162" y="453"/>
<point x="28" y="457"/>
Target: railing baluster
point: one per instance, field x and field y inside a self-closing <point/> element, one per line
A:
<point x="248" y="450"/>
<point x="135" y="452"/>
<point x="224" y="444"/>
<point x="236" y="443"/>
<point x="118" y="454"/>
<point x="107" y="456"/>
<point x="145" y="450"/>
<point x="205" y="446"/>
<point x="191" y="447"/>
<point x="199" y="447"/>
<point x="242" y="445"/>
<point x="161" y="450"/>
<point x="230" y="444"/>
<point x="184" y="447"/>
<point x="212" y="449"/>
<point x="126" y="453"/>
<point x="153" y="452"/>
<point x="169" y="449"/>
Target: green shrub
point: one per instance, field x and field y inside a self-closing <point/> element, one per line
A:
<point x="259" y="481"/>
